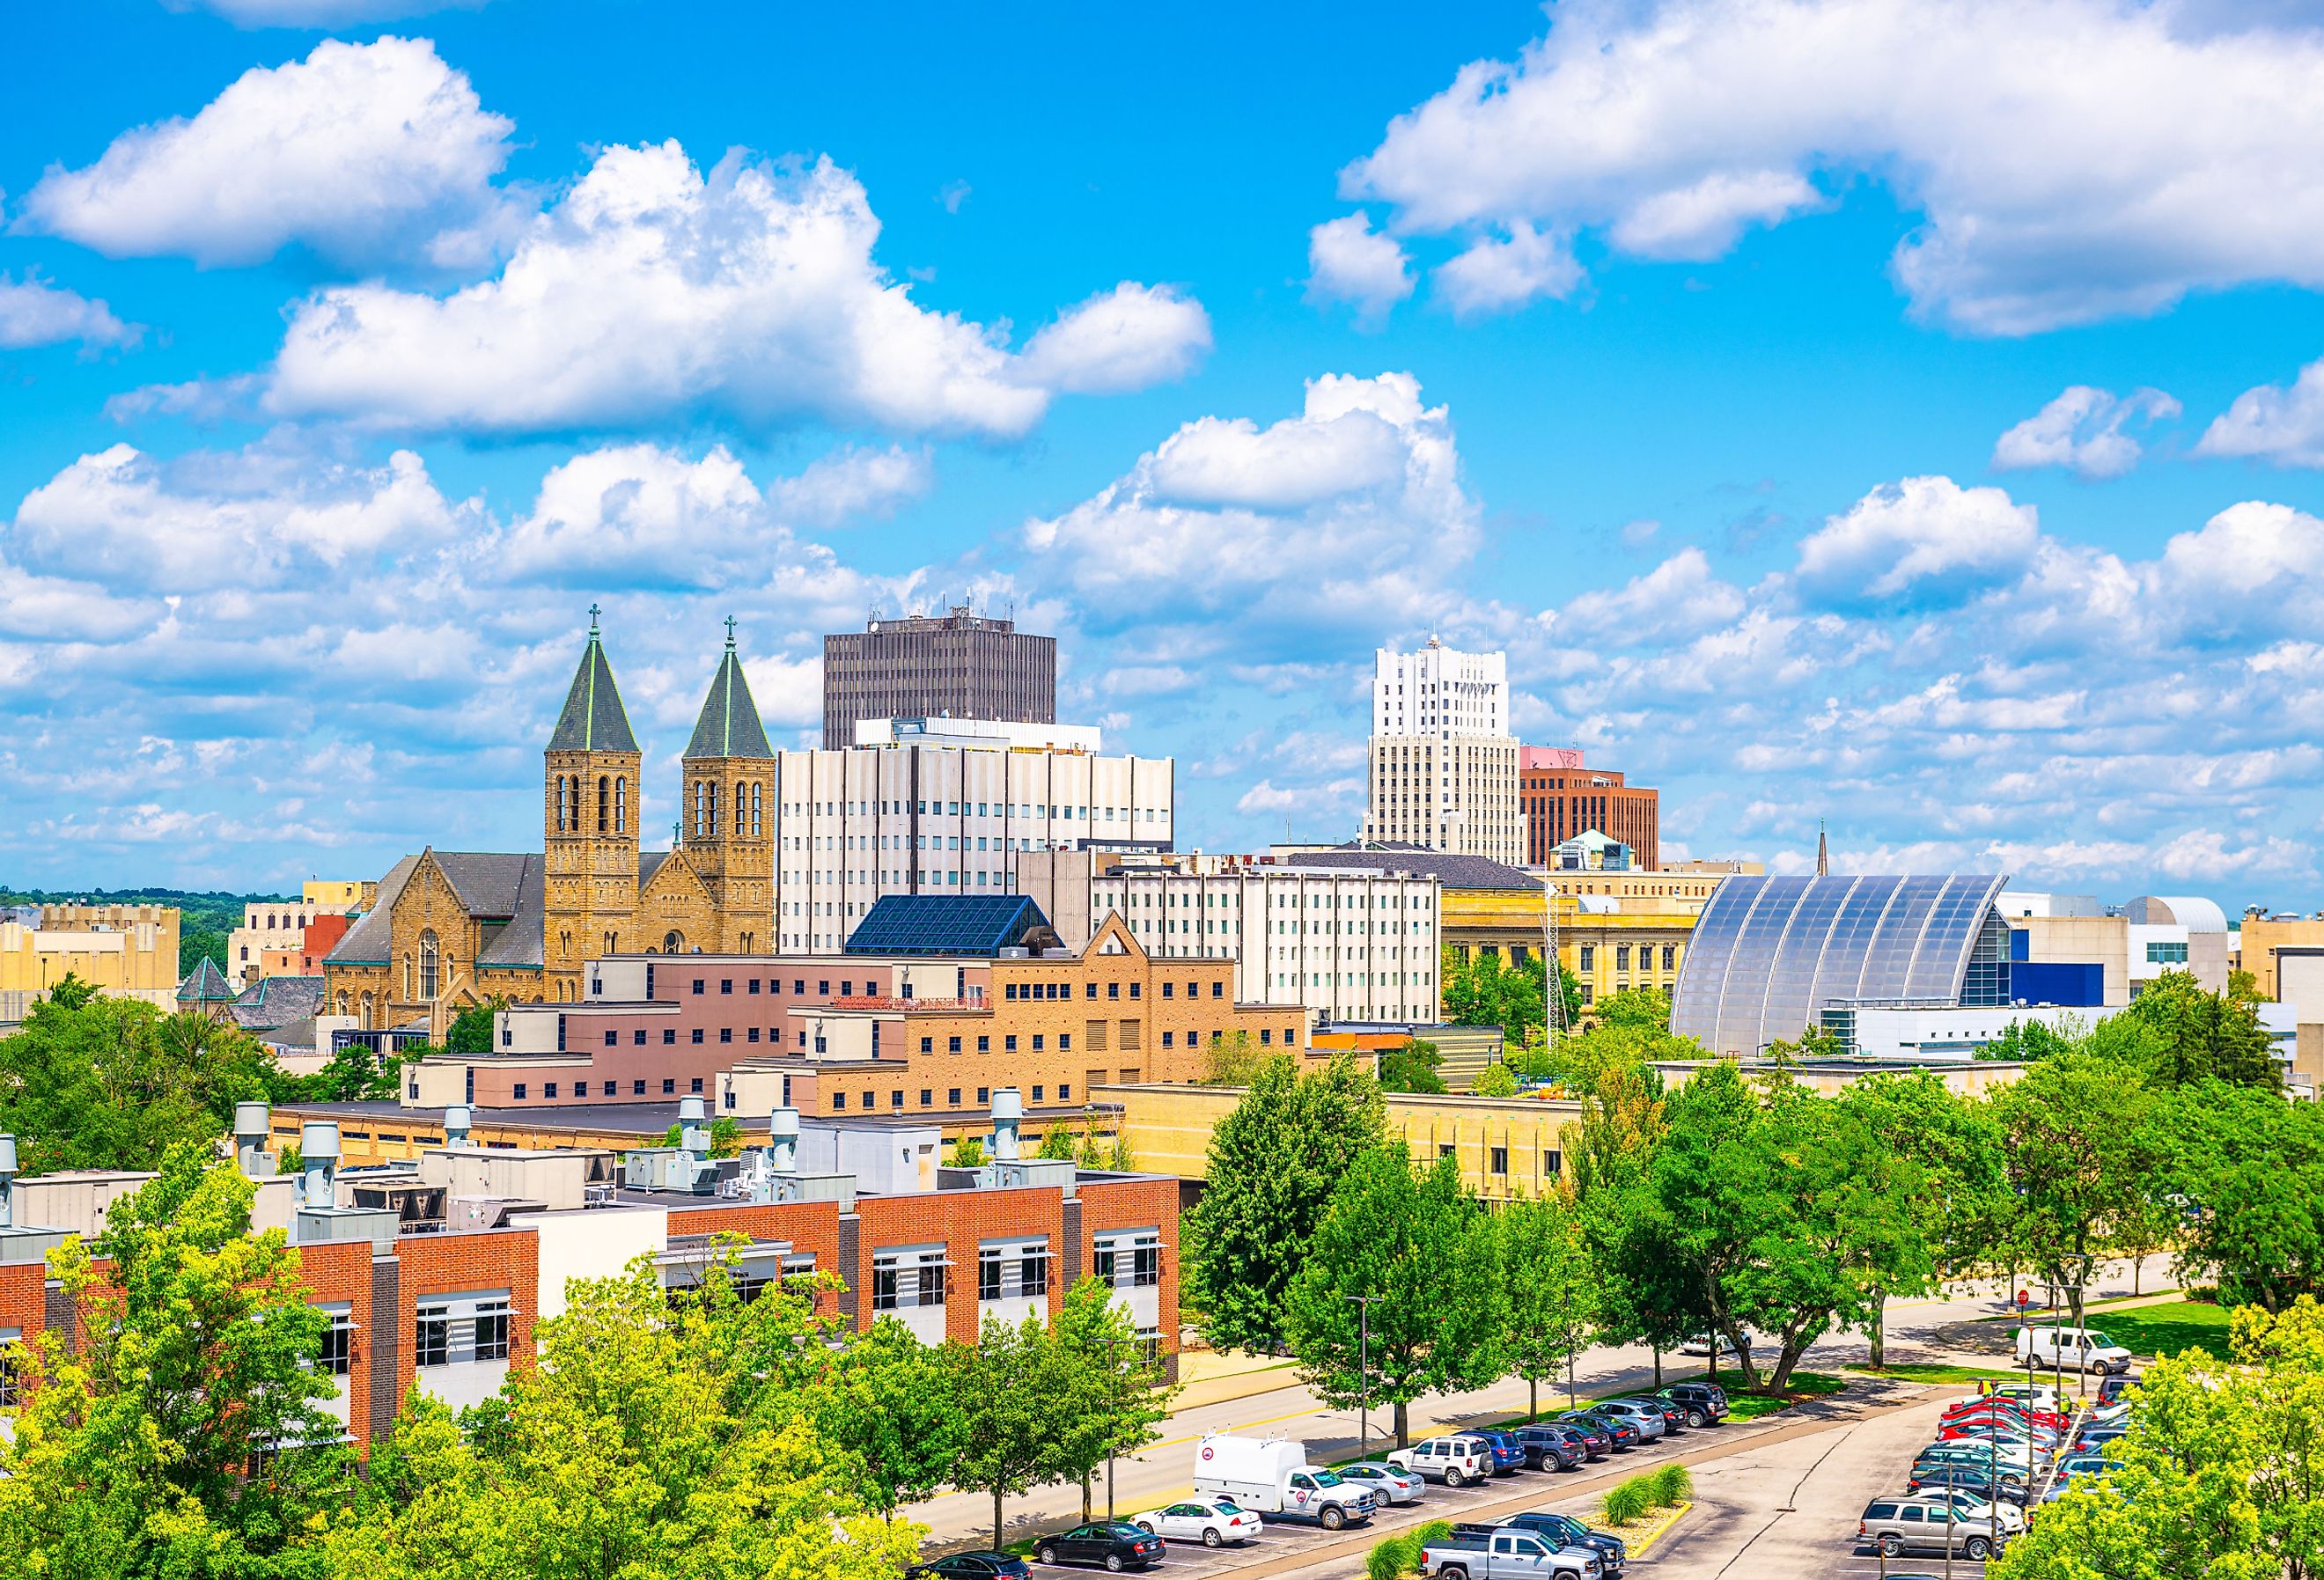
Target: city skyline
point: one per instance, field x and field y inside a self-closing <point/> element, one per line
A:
<point x="1799" y="477"/>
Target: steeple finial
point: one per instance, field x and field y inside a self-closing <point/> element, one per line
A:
<point x="1823" y="853"/>
<point x="593" y="613"/>
<point x="730" y="633"/>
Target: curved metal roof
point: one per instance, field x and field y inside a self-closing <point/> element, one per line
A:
<point x="1768" y="954"/>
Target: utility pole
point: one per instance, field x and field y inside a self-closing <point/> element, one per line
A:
<point x="1553" y="1006"/>
<point x="1363" y="1371"/>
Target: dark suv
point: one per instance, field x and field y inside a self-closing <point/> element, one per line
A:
<point x="1567" y="1532"/>
<point x="1703" y="1402"/>
<point x="1508" y="1454"/>
<point x="1552" y="1448"/>
<point x="1597" y="1437"/>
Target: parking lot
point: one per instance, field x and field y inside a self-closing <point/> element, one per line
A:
<point x="1573" y="1491"/>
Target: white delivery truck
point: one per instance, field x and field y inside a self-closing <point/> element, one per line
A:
<point x="1273" y="1476"/>
<point x="2077" y="1349"/>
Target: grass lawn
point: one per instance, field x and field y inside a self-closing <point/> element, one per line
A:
<point x="1805" y="1385"/>
<point x="2165" y="1330"/>
<point x="1924" y="1372"/>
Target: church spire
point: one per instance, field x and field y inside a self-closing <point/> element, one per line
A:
<point x="729" y="726"/>
<point x="594" y="719"/>
<point x="1823" y="853"/>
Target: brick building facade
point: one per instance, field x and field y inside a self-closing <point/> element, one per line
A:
<point x="1560" y="798"/>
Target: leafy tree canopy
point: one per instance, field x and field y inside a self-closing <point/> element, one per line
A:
<point x="92" y="1082"/>
<point x="1412" y="1068"/>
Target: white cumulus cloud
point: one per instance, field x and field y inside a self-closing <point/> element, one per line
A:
<point x="368" y="154"/>
<point x="1926" y="536"/>
<point x="32" y="312"/>
<point x="1350" y="262"/>
<point x="654" y="291"/>
<point x="2082" y="430"/>
<point x="2068" y="160"/>
<point x="2273" y="422"/>
<point x="1500" y="272"/>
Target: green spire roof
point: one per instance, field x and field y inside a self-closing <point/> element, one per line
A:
<point x="594" y="719"/>
<point x="729" y="726"/>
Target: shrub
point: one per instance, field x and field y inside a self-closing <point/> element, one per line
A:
<point x="1393" y="1558"/>
<point x="1629" y="1502"/>
<point x="1434" y="1531"/>
<point x="1673" y="1485"/>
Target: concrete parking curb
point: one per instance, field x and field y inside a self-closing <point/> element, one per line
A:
<point x="1782" y="1428"/>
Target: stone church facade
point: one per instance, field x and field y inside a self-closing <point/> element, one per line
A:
<point x="455" y="929"/>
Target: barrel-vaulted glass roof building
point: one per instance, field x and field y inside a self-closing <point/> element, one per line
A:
<point x="1772" y="957"/>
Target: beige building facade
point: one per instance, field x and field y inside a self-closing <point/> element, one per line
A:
<point x="129" y="951"/>
<point x="268" y="942"/>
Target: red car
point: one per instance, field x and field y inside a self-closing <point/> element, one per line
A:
<point x="2038" y="1426"/>
<point x="2052" y="1420"/>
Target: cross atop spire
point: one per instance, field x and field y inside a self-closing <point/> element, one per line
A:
<point x="593" y="612"/>
<point x="730" y="633"/>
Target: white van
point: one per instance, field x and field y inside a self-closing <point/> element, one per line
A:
<point x="1453" y="1460"/>
<point x="2077" y="1349"/>
<point x="1272" y="1475"/>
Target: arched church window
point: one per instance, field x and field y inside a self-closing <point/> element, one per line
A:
<point x="754" y="810"/>
<point x="673" y="943"/>
<point x="604" y="804"/>
<point x="741" y="791"/>
<point x="620" y="804"/>
<point x="431" y="965"/>
<point x="701" y="810"/>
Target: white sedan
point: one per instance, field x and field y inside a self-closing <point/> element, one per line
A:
<point x="1212" y="1524"/>
<point x="1393" y="1485"/>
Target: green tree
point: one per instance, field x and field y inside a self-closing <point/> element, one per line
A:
<point x="887" y="1401"/>
<point x="1484" y="991"/>
<point x="1057" y="1145"/>
<point x="1412" y="1068"/>
<point x="1399" y="1294"/>
<point x="1009" y="1416"/>
<point x="93" y="1082"/>
<point x="1960" y="1212"/>
<point x="472" y="1028"/>
<point x="968" y="1152"/>
<point x="2204" y="1035"/>
<point x="2243" y="988"/>
<point x="197" y="943"/>
<point x="1787" y="1208"/>
<point x="1549" y="1289"/>
<point x="1495" y="1080"/>
<point x="1110" y="1397"/>
<point x="69" y="992"/>
<point x="1232" y="1060"/>
<point x="725" y="1136"/>
<point x="663" y="1437"/>
<point x="1647" y="1291"/>
<point x="2078" y="1151"/>
<point x="1275" y="1162"/>
<point x="134" y="1452"/>
<point x="2220" y="1475"/>
<point x="2023" y="1041"/>
<point x="2244" y="1175"/>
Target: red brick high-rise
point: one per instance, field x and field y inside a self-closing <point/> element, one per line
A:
<point x="1561" y="798"/>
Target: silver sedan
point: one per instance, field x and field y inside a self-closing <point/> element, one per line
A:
<point x="1389" y="1484"/>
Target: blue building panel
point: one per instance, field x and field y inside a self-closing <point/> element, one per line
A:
<point x="2079" y="983"/>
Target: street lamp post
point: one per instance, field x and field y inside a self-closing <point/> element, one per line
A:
<point x="2079" y="1264"/>
<point x="1363" y="1371"/>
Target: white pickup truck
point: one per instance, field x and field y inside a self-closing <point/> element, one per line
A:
<point x="2077" y="1349"/>
<point x="1494" y="1555"/>
<point x="1273" y="1476"/>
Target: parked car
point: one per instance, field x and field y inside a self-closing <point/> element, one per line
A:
<point x="1508" y="1454"/>
<point x="2056" y="1420"/>
<point x="1611" y="1550"/>
<point x="1974" y="1451"/>
<point x="1596" y="1441"/>
<point x="1898" y="1527"/>
<point x="1624" y="1434"/>
<point x="1993" y="1486"/>
<point x="1968" y="1505"/>
<point x="1673" y="1418"/>
<point x="2038" y="1396"/>
<point x="1553" y="1448"/>
<point x="1997" y="1430"/>
<point x="1700" y="1344"/>
<point x="1456" y="1460"/>
<point x="2094" y="1439"/>
<point x="1496" y="1552"/>
<point x="2081" y="1349"/>
<point x="1703" y="1402"/>
<point x="1115" y="1543"/>
<point x="2076" y="1465"/>
<point x="2115" y="1387"/>
<point x="1214" y="1525"/>
<point x="972" y="1566"/>
<point x="1389" y="1484"/>
<point x="1648" y="1418"/>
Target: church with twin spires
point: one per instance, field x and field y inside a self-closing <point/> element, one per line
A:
<point x="453" y="929"/>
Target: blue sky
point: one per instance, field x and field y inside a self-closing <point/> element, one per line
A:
<point x="1835" y="411"/>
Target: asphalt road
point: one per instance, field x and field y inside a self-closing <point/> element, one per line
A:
<point x="1164" y="1471"/>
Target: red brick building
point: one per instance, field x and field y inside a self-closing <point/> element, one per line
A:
<point x="1559" y="799"/>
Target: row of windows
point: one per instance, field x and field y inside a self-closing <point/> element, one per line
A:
<point x="1066" y="1039"/>
<point x="1064" y="990"/>
<point x="1622" y="957"/>
<point x="609" y="1088"/>
<point x="1061" y="810"/>
<point x="612" y="803"/>
<point x="746" y="809"/>
<point x="870" y="1100"/>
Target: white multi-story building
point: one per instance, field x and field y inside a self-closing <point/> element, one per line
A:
<point x="854" y="824"/>
<point x="1437" y="691"/>
<point x="1444" y="767"/>
<point x="1350" y="944"/>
